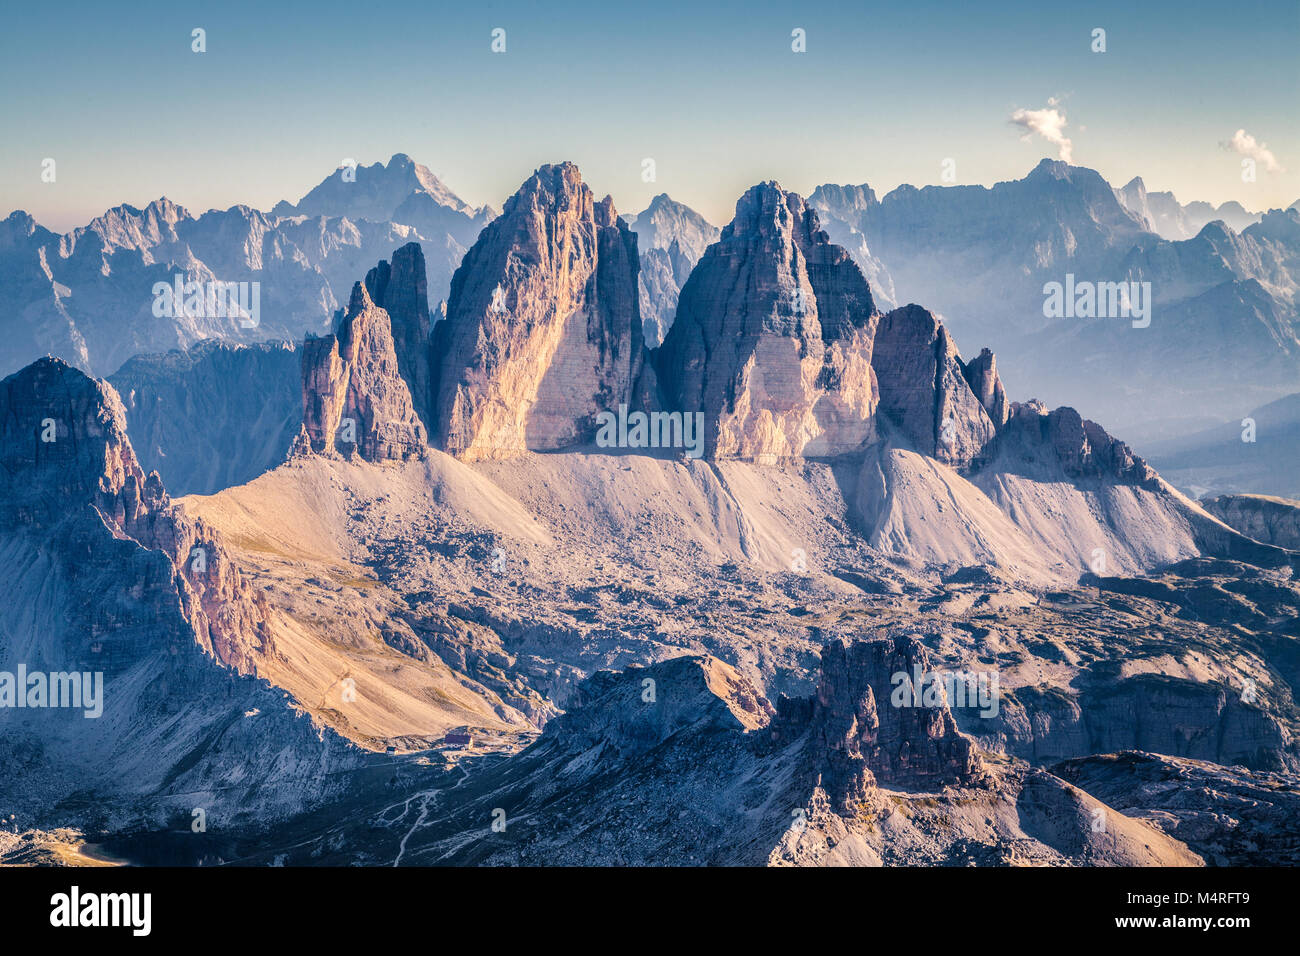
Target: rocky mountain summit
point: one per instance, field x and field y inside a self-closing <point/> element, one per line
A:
<point x="376" y="192"/>
<point x="773" y="337"/>
<point x="543" y="327"/>
<point x="467" y="621"/>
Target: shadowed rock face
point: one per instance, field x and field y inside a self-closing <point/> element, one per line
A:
<point x="1270" y="520"/>
<point x="772" y="340"/>
<point x="1063" y="442"/>
<point x="109" y="576"/>
<point x="90" y="462"/>
<point x="402" y="291"/>
<point x="354" y="395"/>
<point x="214" y="416"/>
<point x="924" y="389"/>
<point x="861" y="731"/>
<point x="543" y="328"/>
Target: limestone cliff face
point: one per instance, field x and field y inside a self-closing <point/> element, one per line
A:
<point x="924" y="390"/>
<point x="982" y="376"/>
<point x="773" y="338"/>
<point x="355" y="397"/>
<point x="543" y="328"/>
<point x="63" y="449"/>
<point x="402" y="290"/>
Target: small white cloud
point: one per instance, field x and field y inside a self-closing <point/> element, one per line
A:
<point x="1245" y="144"/>
<point x="1048" y="123"/>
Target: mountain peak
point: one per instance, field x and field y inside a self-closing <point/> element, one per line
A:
<point x="373" y="192"/>
<point x="772" y="340"/>
<point x="550" y="285"/>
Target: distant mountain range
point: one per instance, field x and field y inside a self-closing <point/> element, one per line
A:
<point x="981" y="257"/>
<point x="88" y="297"/>
<point x="1164" y="215"/>
<point x="1258" y="453"/>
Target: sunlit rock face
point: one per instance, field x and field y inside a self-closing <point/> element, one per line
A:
<point x="543" y="328"/>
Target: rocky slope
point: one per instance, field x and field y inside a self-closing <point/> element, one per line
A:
<point x="682" y="764"/>
<point x="109" y="576"/>
<point x="543" y="328"/>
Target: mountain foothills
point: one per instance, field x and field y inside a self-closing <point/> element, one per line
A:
<point x="657" y="544"/>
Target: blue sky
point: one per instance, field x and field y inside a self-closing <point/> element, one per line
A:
<point x="711" y="91"/>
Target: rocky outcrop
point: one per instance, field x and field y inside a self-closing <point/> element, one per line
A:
<point x="354" y="395"/>
<point x="1150" y="712"/>
<point x="543" y="327"/>
<point x="772" y="340"/>
<point x="924" y="389"/>
<point x="982" y="375"/>
<point x="1061" y="442"/>
<point x="402" y="291"/>
<point x="880" y="715"/>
